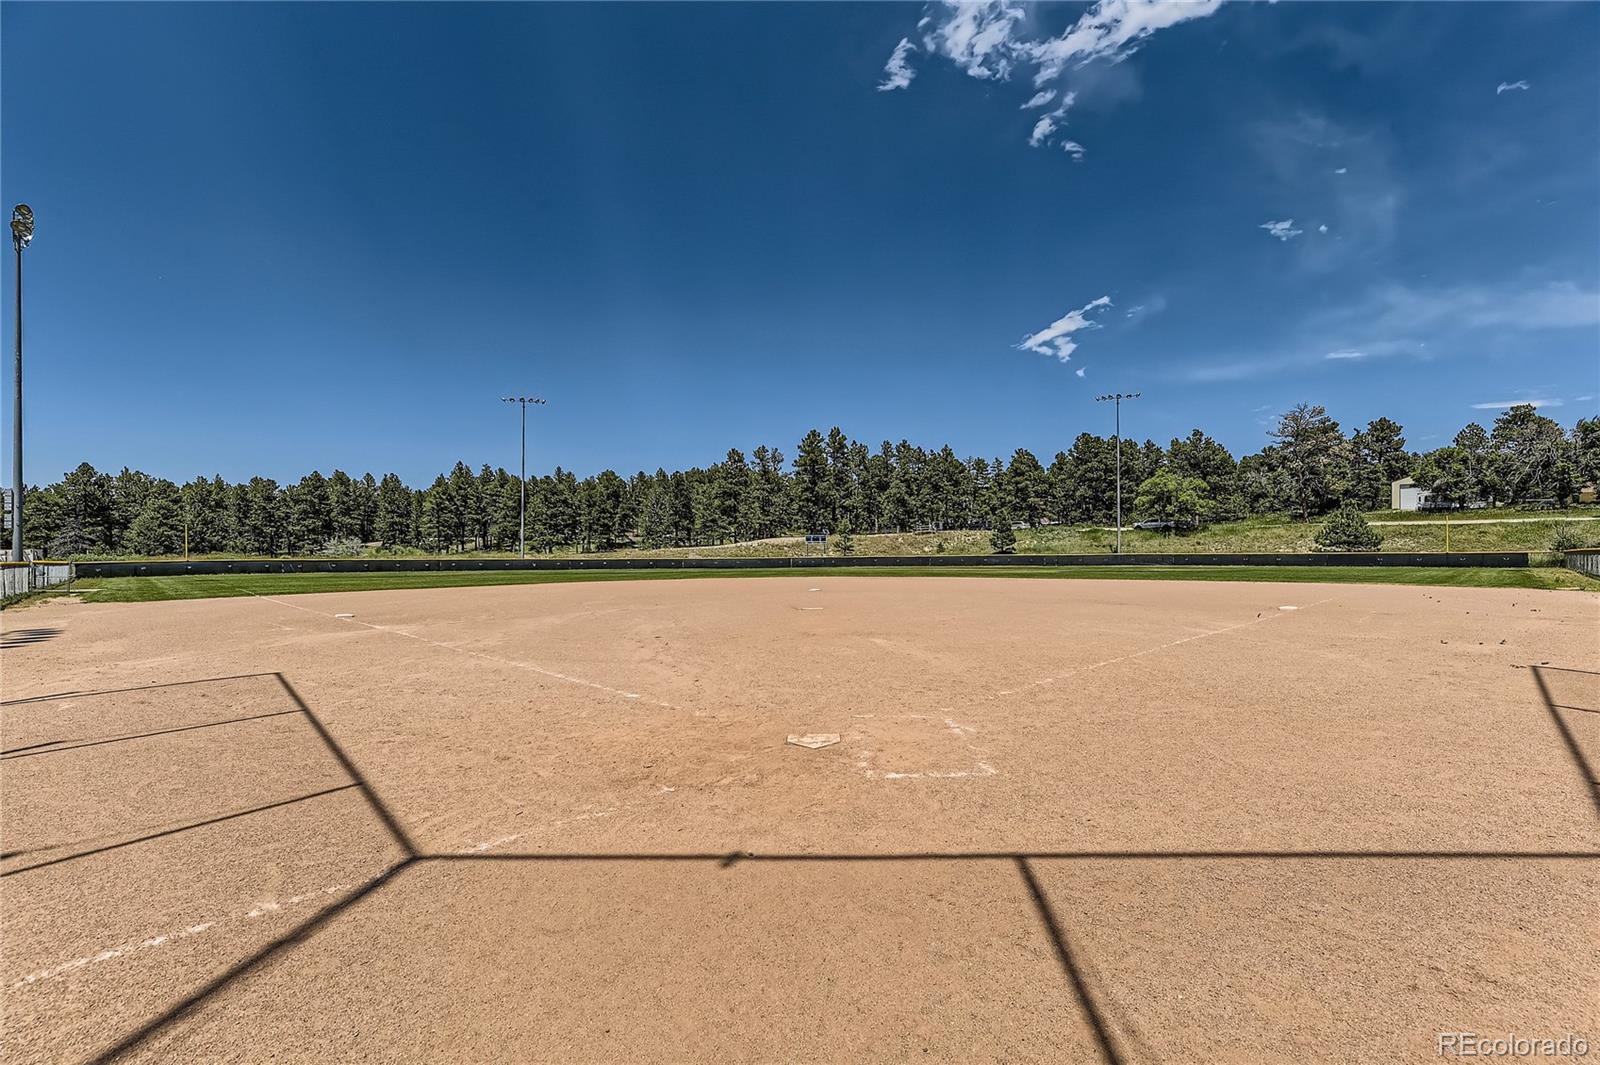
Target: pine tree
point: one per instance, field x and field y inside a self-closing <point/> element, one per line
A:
<point x="158" y="528"/>
<point x="392" y="527"/>
<point x="845" y="541"/>
<point x="811" y="483"/>
<point x="1347" y="530"/>
<point x="1003" y="539"/>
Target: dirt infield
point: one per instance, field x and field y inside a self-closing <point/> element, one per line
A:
<point x="1066" y="821"/>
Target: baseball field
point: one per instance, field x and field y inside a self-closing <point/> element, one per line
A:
<point x="1020" y="820"/>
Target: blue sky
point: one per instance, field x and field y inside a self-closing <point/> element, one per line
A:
<point x="272" y="238"/>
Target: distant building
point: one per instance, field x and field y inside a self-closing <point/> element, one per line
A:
<point x="1405" y="495"/>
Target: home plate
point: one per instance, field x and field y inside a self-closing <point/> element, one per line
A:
<point x="813" y="740"/>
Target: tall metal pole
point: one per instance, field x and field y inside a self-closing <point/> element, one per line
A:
<point x="1116" y="399"/>
<point x="522" y="487"/>
<point x="21" y="234"/>
<point x="522" y="472"/>
<point x="1116" y="435"/>
<point x="16" y="428"/>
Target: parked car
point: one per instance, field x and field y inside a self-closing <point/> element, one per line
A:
<point x="1153" y="524"/>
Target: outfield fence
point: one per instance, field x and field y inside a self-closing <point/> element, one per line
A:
<point x="1485" y="559"/>
<point x="1585" y="560"/>
<point x="20" y="578"/>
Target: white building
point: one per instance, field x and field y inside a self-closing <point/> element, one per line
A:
<point x="1405" y="495"/>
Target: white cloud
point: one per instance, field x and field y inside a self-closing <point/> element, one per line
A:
<point x="1346" y="353"/>
<point x="1047" y="126"/>
<point x="1506" y="404"/>
<point x="1508" y="86"/>
<point x="988" y="40"/>
<point x="977" y="37"/>
<point x="1322" y="228"/>
<point x="1342" y="170"/>
<point x="897" y="72"/>
<point x="1079" y="371"/>
<point x="1283" y="230"/>
<point x="1056" y="338"/>
<point x="1111" y="29"/>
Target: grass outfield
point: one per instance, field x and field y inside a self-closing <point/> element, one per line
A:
<point x="149" y="589"/>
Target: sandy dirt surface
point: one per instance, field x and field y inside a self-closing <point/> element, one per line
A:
<point x="1066" y="821"/>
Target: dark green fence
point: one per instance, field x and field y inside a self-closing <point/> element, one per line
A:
<point x="1490" y="559"/>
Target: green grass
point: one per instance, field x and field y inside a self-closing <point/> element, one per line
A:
<point x="147" y="589"/>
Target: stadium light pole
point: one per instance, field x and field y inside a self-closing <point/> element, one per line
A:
<point x="1116" y="399"/>
<point x="21" y="234"/>
<point x="522" y="472"/>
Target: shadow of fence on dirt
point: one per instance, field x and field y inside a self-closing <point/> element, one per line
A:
<point x="23" y="637"/>
<point x="1116" y="1038"/>
<point x="1579" y="758"/>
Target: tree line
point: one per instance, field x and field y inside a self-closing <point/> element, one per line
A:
<point x="834" y="483"/>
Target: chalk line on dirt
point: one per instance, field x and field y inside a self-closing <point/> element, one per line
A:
<point x="514" y="663"/>
<point x="1151" y="650"/>
<point x="501" y="841"/>
<point x="270" y="907"/>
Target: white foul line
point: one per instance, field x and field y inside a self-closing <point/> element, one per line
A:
<point x="261" y="909"/>
<point x="1152" y="650"/>
<point x="529" y="666"/>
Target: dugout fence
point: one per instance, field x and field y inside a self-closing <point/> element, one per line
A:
<point x="1584" y="560"/>
<point x="21" y="578"/>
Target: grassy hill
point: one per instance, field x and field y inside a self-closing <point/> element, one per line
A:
<point x="1510" y="531"/>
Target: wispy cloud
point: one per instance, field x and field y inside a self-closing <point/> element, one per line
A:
<point x="897" y="72"/>
<point x="977" y="37"/>
<point x="1506" y="404"/>
<point x="1283" y="230"/>
<point x="989" y="40"/>
<point x="1079" y="371"/>
<point x="1557" y="305"/>
<point x="1339" y="174"/>
<point x="1111" y="29"/>
<point x="1395" y="321"/>
<point x="1056" y="338"/>
<point x="1322" y="228"/>
<point x="1508" y="86"/>
<point x="1154" y="303"/>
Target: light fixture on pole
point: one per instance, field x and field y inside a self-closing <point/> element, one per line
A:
<point x="21" y="234"/>
<point x="1116" y="399"/>
<point x="522" y="472"/>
